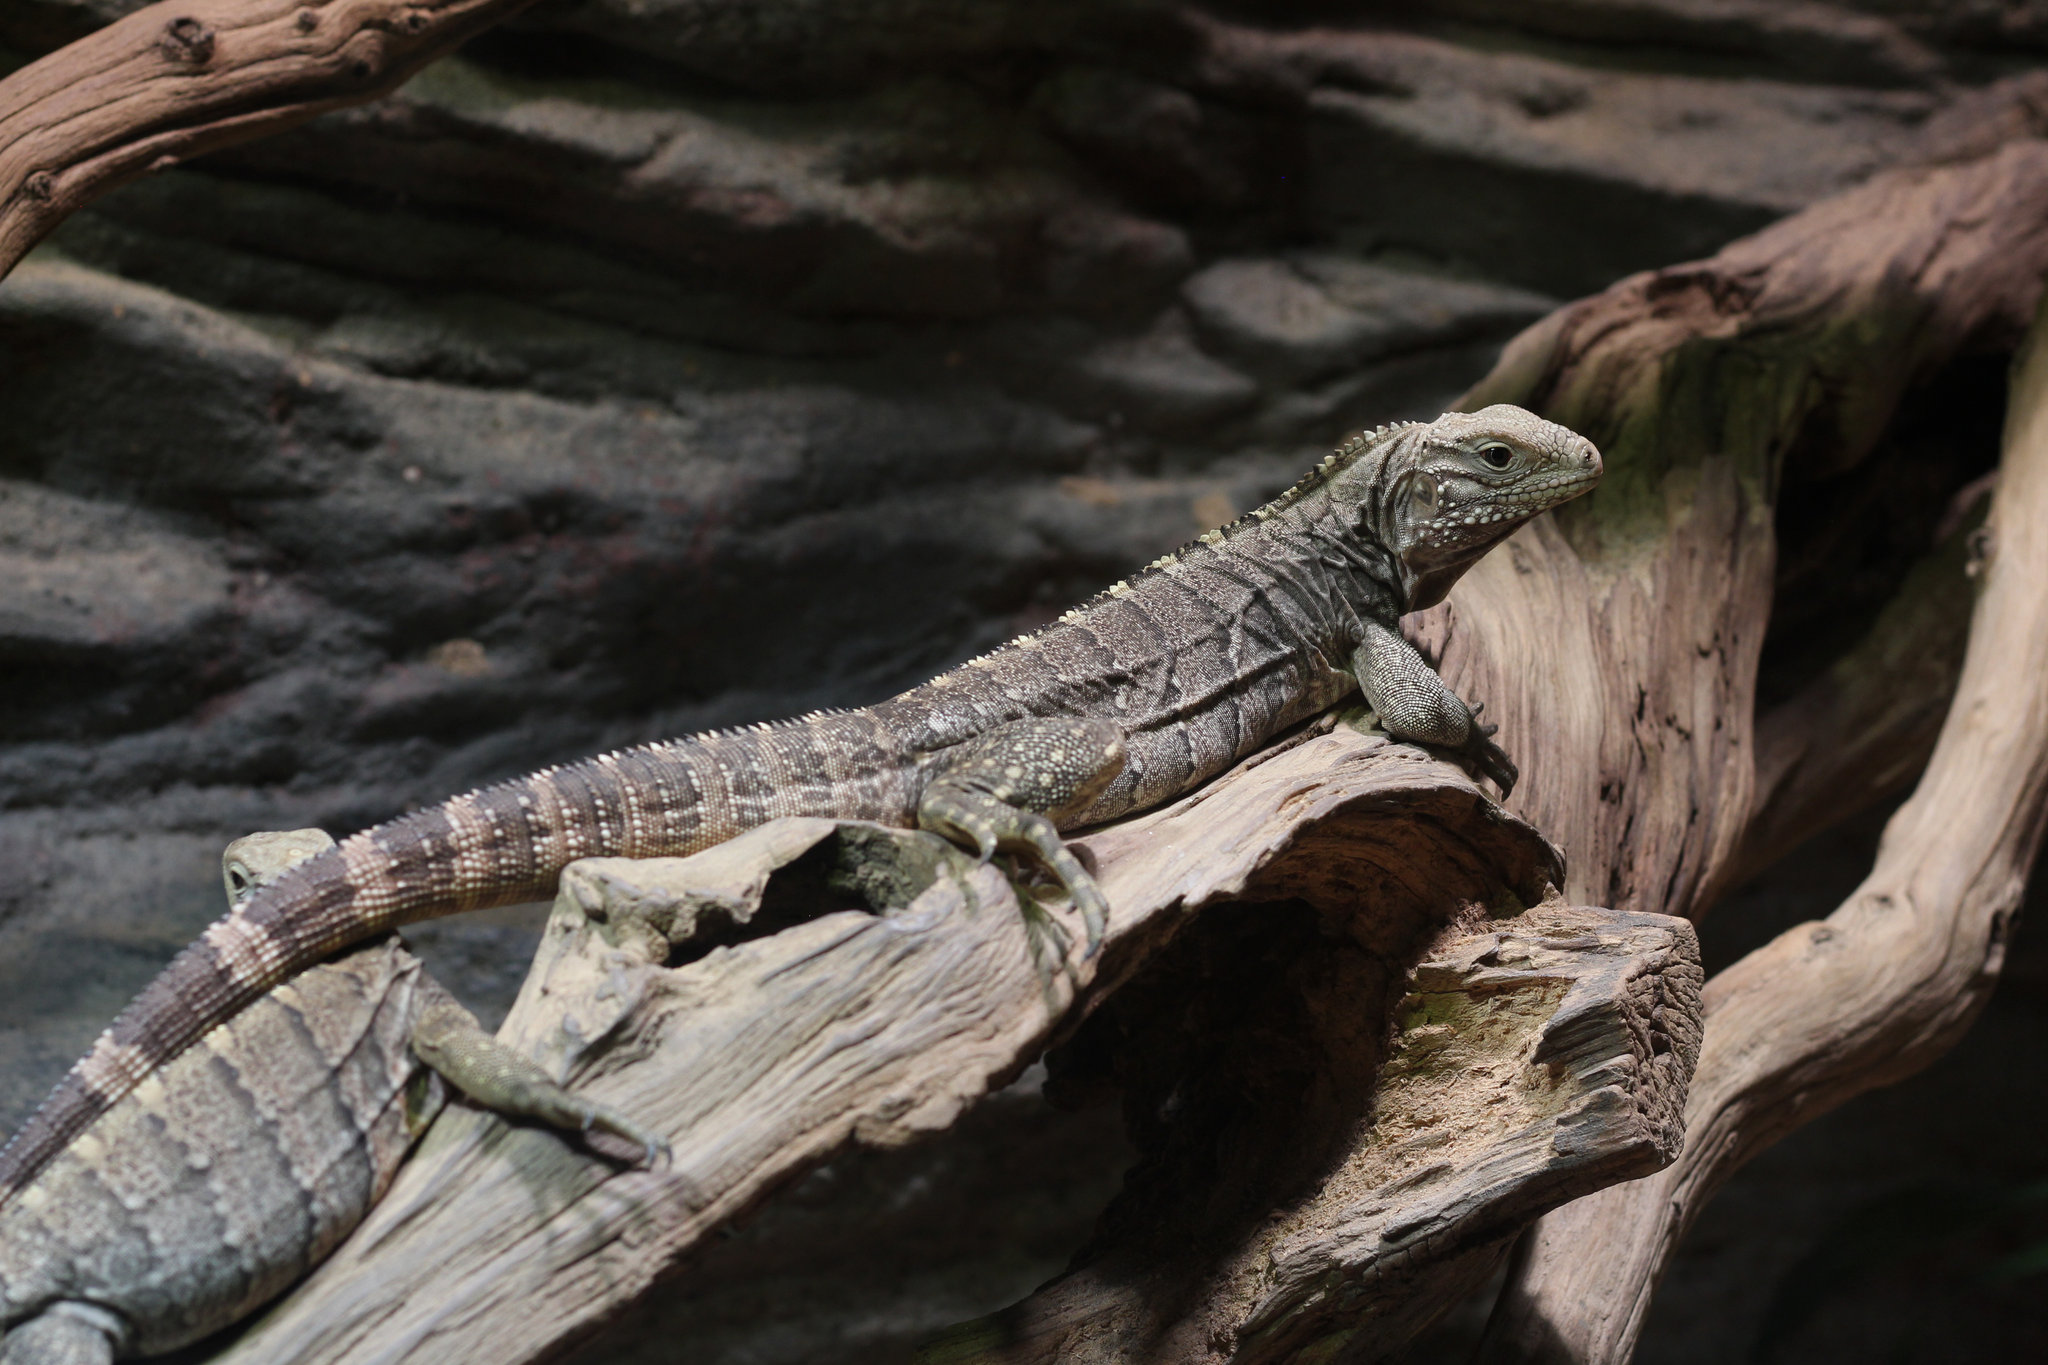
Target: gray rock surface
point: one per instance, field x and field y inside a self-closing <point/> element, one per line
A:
<point x="658" y="364"/>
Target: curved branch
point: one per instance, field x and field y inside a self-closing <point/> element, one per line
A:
<point x="1616" y="642"/>
<point x="1891" y="979"/>
<point x="183" y="77"/>
<point x="766" y="1057"/>
<point x="1883" y="986"/>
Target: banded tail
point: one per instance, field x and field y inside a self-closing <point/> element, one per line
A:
<point x="495" y="846"/>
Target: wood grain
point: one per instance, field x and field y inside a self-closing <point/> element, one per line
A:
<point x="1618" y="643"/>
<point x="1885" y="984"/>
<point x="176" y="79"/>
<point x="1532" y="1057"/>
<point x="765" y="1056"/>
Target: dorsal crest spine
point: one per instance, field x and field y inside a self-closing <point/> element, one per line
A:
<point x="1346" y="453"/>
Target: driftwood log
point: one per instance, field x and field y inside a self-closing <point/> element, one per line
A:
<point x="1802" y="344"/>
<point x="1421" y="1048"/>
<point x="1618" y="644"/>
<point x="1878" y="989"/>
<point x="173" y="80"/>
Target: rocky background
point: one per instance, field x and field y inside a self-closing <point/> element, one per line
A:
<point x="653" y="365"/>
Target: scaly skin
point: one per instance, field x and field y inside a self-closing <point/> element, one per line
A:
<point x="250" y="1155"/>
<point x="1175" y="675"/>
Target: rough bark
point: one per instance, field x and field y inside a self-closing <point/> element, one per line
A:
<point x="547" y="548"/>
<point x="177" y="79"/>
<point x="1700" y="382"/>
<point x="1567" y="1032"/>
<point x="1884" y="985"/>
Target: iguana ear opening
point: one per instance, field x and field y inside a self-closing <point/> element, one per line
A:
<point x="1410" y="513"/>
<point x="1418" y="496"/>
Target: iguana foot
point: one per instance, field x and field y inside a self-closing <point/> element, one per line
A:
<point x="1010" y="788"/>
<point x="1414" y="704"/>
<point x="1492" y="761"/>
<point x="449" y="1039"/>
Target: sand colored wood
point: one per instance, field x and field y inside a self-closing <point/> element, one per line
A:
<point x="1878" y="989"/>
<point x="769" y="1054"/>
<point x="173" y="80"/>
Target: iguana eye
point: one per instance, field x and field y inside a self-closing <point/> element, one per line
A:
<point x="1496" y="455"/>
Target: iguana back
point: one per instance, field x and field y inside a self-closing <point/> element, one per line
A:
<point x="236" y="1168"/>
<point x="1197" y="661"/>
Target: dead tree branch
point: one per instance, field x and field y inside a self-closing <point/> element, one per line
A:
<point x="1533" y="1055"/>
<point x="1884" y="985"/>
<point x="177" y="79"/>
<point x="1539" y="1055"/>
<point x="1620" y="640"/>
<point x="1618" y="643"/>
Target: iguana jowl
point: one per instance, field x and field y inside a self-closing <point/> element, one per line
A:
<point x="1152" y="687"/>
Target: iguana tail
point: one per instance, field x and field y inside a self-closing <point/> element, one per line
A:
<point x="495" y="846"/>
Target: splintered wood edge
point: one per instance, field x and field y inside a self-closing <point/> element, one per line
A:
<point x="762" y="1059"/>
<point x="1538" y="1058"/>
<point x="170" y="81"/>
<point x="1880" y="988"/>
<point x="1577" y="1082"/>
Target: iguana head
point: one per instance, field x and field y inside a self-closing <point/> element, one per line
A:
<point x="254" y="859"/>
<point x="1440" y="494"/>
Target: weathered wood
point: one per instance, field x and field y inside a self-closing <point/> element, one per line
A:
<point x="1617" y="643"/>
<point x="1534" y="1057"/>
<point x="1617" y="646"/>
<point x="1885" y="984"/>
<point x="766" y="1056"/>
<point x="176" y="79"/>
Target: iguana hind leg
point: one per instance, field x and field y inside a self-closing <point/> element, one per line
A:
<point x="1010" y="788"/>
<point x="1415" y="704"/>
<point x="446" y="1037"/>
<point x="449" y="1039"/>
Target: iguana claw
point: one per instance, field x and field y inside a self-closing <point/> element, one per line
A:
<point x="653" y="1147"/>
<point x="1008" y="788"/>
<point x="1491" y="760"/>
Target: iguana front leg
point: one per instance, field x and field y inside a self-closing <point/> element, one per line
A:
<point x="446" y="1037"/>
<point x="1010" y="788"/>
<point x="1414" y="704"/>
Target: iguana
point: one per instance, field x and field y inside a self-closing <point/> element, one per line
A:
<point x="1151" y="687"/>
<point x="240" y="1163"/>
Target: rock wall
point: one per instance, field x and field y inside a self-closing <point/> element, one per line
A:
<point x="659" y="364"/>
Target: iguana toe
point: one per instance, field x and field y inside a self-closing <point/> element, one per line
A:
<point x="654" y="1148"/>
